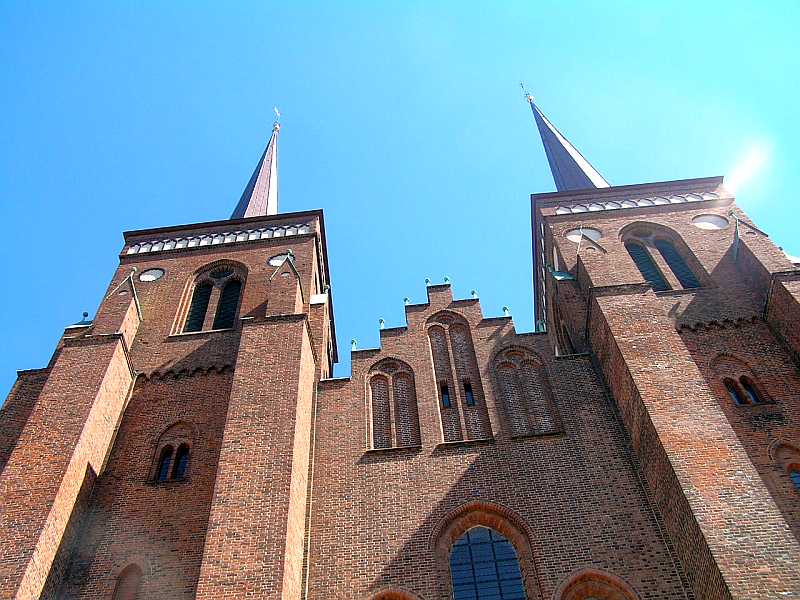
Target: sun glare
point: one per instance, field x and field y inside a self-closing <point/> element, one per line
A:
<point x="748" y="167"/>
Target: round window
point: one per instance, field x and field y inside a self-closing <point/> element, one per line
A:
<point x="710" y="222"/>
<point x="151" y="275"/>
<point x="574" y="235"/>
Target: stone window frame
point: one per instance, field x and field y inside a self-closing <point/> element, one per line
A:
<point x="497" y="359"/>
<point x="494" y="516"/>
<point x="205" y="275"/>
<point x="185" y="435"/>
<point x="390" y="367"/>
<point x="590" y="582"/>
<point x="646" y="233"/>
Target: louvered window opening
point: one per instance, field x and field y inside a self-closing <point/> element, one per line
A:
<point x="647" y="267"/>
<point x="484" y="566"/>
<point x="228" y="302"/>
<point x="199" y="306"/>
<point x="678" y="265"/>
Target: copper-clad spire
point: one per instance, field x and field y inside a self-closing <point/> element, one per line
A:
<point x="260" y="197"/>
<point x="571" y="171"/>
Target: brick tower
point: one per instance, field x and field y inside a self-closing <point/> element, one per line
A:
<point x="161" y="432"/>
<point x="690" y="314"/>
<point x="643" y="443"/>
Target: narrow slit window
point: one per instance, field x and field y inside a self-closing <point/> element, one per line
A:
<point x="677" y="264"/>
<point x="199" y="306"/>
<point x="733" y="392"/>
<point x="647" y="267"/>
<point x="163" y="464"/>
<point x="181" y="462"/>
<point x="468" y="395"/>
<point x="445" y="396"/>
<point x="750" y="390"/>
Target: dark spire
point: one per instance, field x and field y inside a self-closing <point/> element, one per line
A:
<point x="260" y="197"/>
<point x="571" y="171"/>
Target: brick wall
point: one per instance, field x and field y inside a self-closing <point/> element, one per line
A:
<point x="573" y="497"/>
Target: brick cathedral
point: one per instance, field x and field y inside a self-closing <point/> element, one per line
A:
<point x="643" y="443"/>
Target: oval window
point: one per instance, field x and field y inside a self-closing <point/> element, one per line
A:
<point x="574" y="235"/>
<point x="277" y="260"/>
<point x="710" y="222"/>
<point x="151" y="275"/>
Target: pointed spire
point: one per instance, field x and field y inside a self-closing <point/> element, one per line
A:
<point x="571" y="171"/>
<point x="260" y="197"/>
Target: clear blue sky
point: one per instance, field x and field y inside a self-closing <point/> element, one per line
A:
<point x="403" y="120"/>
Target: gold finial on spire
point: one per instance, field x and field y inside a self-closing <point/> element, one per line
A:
<point x="528" y="97"/>
<point x="276" y="124"/>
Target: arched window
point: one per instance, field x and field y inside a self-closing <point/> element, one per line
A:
<point x="199" y="306"/>
<point x="647" y="267"/>
<point x="228" y="303"/>
<point x="462" y="405"/>
<point x="173" y="451"/>
<point x="733" y="391"/>
<point x="524" y="391"/>
<point x="677" y="264"/>
<point x="741" y="384"/>
<point x="394" y="418"/>
<point x="484" y="565"/>
<point x="181" y="462"/>
<point x="217" y="291"/>
<point x="129" y="583"/>
<point x="750" y="390"/>
<point x="163" y="463"/>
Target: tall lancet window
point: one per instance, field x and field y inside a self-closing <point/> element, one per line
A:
<point x="228" y="303"/>
<point x="677" y="264"/>
<point x="647" y="267"/>
<point x="462" y="405"/>
<point x="199" y="306"/>
<point x="662" y="257"/>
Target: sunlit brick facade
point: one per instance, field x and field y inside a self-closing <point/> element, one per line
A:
<point x="644" y="443"/>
